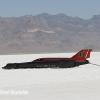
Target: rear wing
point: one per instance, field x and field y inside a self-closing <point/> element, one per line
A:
<point x="82" y="55"/>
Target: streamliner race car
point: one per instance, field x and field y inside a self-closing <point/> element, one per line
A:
<point x="76" y="60"/>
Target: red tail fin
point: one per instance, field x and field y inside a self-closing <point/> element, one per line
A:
<point x="83" y="54"/>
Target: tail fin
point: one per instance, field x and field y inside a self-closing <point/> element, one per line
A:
<point x="82" y="55"/>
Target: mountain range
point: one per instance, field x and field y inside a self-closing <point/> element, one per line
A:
<point x="44" y="33"/>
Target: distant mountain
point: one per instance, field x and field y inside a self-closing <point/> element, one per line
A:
<point x="48" y="33"/>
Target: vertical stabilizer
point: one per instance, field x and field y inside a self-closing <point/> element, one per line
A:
<point x="82" y="55"/>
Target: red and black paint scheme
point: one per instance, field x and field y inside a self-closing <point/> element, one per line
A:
<point x="76" y="60"/>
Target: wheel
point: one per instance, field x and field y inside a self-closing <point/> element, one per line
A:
<point x="60" y="64"/>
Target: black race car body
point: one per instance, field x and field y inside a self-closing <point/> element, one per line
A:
<point x="76" y="60"/>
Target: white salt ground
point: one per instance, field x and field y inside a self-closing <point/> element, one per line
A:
<point x="79" y="83"/>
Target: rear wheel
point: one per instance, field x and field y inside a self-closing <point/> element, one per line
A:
<point x="60" y="64"/>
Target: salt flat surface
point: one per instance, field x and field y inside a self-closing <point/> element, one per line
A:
<point x="76" y="83"/>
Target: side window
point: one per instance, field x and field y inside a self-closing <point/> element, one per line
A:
<point x="38" y="60"/>
<point x="41" y="59"/>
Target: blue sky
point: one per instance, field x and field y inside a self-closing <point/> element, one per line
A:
<point x="84" y="9"/>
